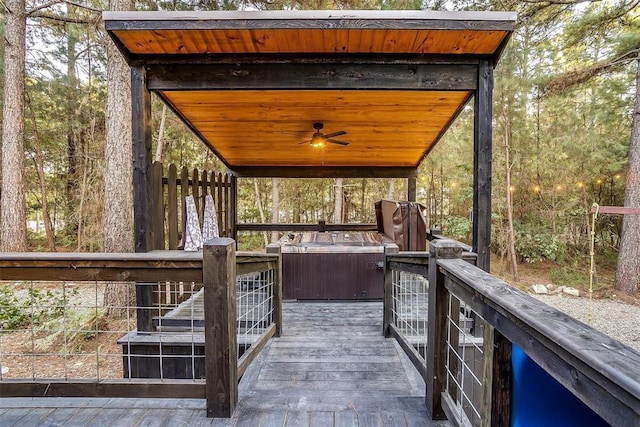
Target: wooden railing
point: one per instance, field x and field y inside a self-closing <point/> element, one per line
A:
<point x="474" y="321"/>
<point x="320" y="227"/>
<point x="218" y="267"/>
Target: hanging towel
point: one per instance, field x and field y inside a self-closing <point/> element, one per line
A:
<point x="209" y="221"/>
<point x="192" y="234"/>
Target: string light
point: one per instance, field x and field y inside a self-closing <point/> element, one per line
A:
<point x="536" y="188"/>
<point x="558" y="187"/>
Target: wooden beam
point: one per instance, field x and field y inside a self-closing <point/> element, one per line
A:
<point x="429" y="20"/>
<point x="411" y="188"/>
<point x="411" y="352"/>
<point x="482" y="152"/>
<point x="134" y="389"/>
<point x="255" y="349"/>
<point x="618" y="210"/>
<point x="322" y="172"/>
<point x="142" y="159"/>
<point x="307" y="58"/>
<point x="219" y="274"/>
<point x="307" y="227"/>
<point x="437" y="327"/>
<point x="388" y="290"/>
<point x="157" y="207"/>
<point x="311" y="76"/>
<point x="143" y="221"/>
<point x="277" y="288"/>
<point x="502" y="380"/>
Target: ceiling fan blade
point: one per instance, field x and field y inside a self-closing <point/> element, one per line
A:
<point x="331" y="135"/>
<point x="304" y="142"/>
<point x="335" y="141"/>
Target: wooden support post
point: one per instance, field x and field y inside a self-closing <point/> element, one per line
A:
<point x="184" y="192"/>
<point x="221" y="342"/>
<point x="437" y="326"/>
<point x="487" y="375"/>
<point x="388" y="290"/>
<point x="142" y="185"/>
<point x="157" y="207"/>
<point x="277" y="289"/>
<point x="482" y="152"/>
<point x="227" y="205"/>
<point x="172" y="206"/>
<point x="195" y="192"/>
<point x="234" y="209"/>
<point x="411" y="188"/>
<point x="220" y="205"/>
<point x="502" y="379"/>
<point x="141" y="136"/>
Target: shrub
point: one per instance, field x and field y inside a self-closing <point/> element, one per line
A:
<point x="537" y="247"/>
<point x="457" y="227"/>
<point x="18" y="311"/>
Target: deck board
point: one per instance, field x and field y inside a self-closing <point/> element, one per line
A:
<point x="331" y="367"/>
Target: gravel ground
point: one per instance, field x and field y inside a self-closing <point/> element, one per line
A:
<point x="615" y="318"/>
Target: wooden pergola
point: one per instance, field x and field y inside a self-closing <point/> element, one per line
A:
<point x="252" y="84"/>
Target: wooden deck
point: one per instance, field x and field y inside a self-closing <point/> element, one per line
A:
<point x="331" y="367"/>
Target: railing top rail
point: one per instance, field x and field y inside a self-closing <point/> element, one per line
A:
<point x="154" y="266"/>
<point x="464" y="246"/>
<point x="11" y="258"/>
<point x="246" y="256"/>
<point x="401" y="256"/>
<point x="305" y="227"/>
<point x="606" y="362"/>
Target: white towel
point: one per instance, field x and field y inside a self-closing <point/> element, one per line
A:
<point x="209" y="221"/>
<point x="192" y="233"/>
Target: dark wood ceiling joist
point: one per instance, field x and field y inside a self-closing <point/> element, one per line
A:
<point x="267" y="76"/>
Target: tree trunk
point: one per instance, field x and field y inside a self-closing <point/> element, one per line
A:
<point x="118" y="176"/>
<point x="363" y="193"/>
<point x="13" y="219"/>
<point x="260" y="208"/>
<point x="41" y="180"/>
<point x="392" y="190"/>
<point x="510" y="231"/>
<point x="275" y="207"/>
<point x="160" y="144"/>
<point x="71" y="220"/>
<point x="337" y="207"/>
<point x="628" y="269"/>
<point x="83" y="193"/>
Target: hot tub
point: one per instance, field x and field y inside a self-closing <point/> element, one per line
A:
<point x="333" y="265"/>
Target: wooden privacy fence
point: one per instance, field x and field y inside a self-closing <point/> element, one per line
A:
<point x="243" y="300"/>
<point x="469" y="321"/>
<point x="168" y="202"/>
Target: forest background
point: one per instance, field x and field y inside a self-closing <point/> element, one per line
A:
<point x="563" y="110"/>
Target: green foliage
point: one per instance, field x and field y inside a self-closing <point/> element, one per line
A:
<point x="533" y="245"/>
<point x="250" y="242"/>
<point x="36" y="305"/>
<point x="575" y="275"/>
<point x="458" y="228"/>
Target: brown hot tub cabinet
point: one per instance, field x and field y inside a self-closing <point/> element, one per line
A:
<point x="333" y="265"/>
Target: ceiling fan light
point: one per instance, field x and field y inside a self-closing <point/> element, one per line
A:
<point x="317" y="143"/>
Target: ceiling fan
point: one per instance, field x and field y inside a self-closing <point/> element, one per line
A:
<point x="319" y="140"/>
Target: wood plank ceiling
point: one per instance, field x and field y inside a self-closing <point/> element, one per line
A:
<point x="265" y="127"/>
